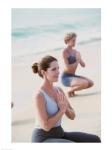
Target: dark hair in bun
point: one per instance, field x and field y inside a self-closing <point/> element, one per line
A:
<point x="35" y="68"/>
<point x="44" y="64"/>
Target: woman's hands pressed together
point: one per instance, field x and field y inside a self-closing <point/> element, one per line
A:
<point x="64" y="105"/>
<point x="62" y="102"/>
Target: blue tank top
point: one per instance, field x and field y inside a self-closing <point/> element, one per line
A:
<point x="51" y="106"/>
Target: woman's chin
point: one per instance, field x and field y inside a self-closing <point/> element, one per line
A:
<point x="55" y="80"/>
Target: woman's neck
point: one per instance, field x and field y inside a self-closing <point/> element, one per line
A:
<point x="70" y="48"/>
<point x="47" y="85"/>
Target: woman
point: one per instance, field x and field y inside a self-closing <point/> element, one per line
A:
<point x="71" y="60"/>
<point x="51" y="104"/>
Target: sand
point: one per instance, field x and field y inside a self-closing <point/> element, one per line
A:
<point x="86" y="103"/>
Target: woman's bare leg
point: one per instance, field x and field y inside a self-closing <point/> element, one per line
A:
<point x="91" y="83"/>
<point x="76" y="85"/>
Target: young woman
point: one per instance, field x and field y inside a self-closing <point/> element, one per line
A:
<point x="71" y="60"/>
<point x="51" y="104"/>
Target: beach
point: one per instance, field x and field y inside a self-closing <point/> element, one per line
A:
<point x="86" y="103"/>
<point x="40" y="32"/>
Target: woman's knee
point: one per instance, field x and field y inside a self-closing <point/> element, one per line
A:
<point x="97" y="139"/>
<point x="90" y="84"/>
<point x="85" y="84"/>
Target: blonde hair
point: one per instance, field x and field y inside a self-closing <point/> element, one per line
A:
<point x="69" y="36"/>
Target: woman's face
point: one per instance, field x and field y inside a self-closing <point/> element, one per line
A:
<point x="72" y="42"/>
<point x="52" y="72"/>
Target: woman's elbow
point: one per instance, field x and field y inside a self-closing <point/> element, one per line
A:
<point x="73" y="116"/>
<point x="46" y="127"/>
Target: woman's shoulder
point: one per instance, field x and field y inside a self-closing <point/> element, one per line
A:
<point x="77" y="53"/>
<point x="39" y="100"/>
<point x="38" y="95"/>
<point x="65" y="52"/>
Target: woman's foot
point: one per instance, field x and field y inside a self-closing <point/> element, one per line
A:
<point x="71" y="94"/>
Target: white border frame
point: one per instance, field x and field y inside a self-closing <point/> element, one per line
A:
<point x="5" y="67"/>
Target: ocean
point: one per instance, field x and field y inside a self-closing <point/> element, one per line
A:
<point x="36" y="31"/>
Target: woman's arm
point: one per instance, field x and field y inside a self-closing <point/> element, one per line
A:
<point x="82" y="63"/>
<point x="70" y="113"/>
<point x="46" y="122"/>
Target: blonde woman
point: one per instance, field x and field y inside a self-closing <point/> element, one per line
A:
<point x="72" y="58"/>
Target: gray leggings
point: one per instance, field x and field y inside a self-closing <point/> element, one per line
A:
<point x="58" y="135"/>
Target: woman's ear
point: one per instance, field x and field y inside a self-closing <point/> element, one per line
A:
<point x="43" y="73"/>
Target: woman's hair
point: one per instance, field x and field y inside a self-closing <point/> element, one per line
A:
<point x="44" y="64"/>
<point x="69" y="36"/>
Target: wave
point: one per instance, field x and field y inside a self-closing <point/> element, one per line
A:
<point x="54" y="28"/>
<point x="91" y="40"/>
